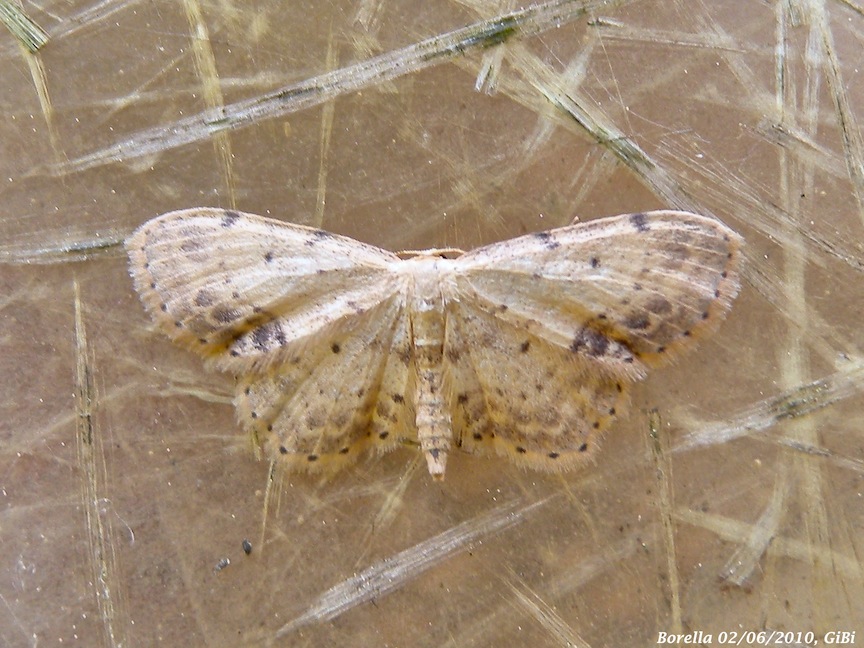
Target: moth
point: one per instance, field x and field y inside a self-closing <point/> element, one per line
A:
<point x="523" y="348"/>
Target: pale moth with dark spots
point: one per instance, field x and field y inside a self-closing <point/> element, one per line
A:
<point x="523" y="348"/>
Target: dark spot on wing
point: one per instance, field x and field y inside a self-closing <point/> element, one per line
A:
<point x="313" y="420"/>
<point x="595" y="262"/>
<point x="229" y="218"/>
<point x="590" y="341"/>
<point x="266" y="334"/>
<point x="318" y="235"/>
<point x="203" y="299"/>
<point x="268" y="257"/>
<point x="525" y="346"/>
<point x="355" y="307"/>
<point x="260" y="338"/>
<point x="344" y="451"/>
<point x="383" y="435"/>
<point x="553" y="455"/>
<point x="226" y="315"/>
<point x="639" y="222"/>
<point x="583" y="447"/>
<point x="659" y="305"/>
<point x="398" y="398"/>
<point x="637" y="322"/>
<point x="462" y="399"/>
<point x="477" y="436"/>
<point x="283" y="449"/>
<point x="548" y="240"/>
<point x="404" y="354"/>
<point x="335" y="348"/>
<point x="312" y="457"/>
<point x="521" y="450"/>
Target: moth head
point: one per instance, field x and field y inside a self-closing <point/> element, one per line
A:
<point x="436" y="253"/>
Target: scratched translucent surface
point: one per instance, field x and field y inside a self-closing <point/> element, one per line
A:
<point x="728" y="497"/>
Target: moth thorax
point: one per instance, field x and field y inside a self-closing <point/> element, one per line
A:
<point x="428" y="278"/>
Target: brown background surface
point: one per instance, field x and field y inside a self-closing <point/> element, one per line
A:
<point x="124" y="481"/>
